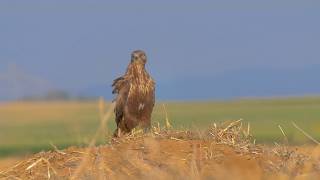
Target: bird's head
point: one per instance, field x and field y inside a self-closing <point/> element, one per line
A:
<point x="138" y="57"/>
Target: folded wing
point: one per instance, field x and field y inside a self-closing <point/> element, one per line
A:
<point x="121" y="87"/>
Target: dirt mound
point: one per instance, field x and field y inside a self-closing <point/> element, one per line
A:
<point x="224" y="152"/>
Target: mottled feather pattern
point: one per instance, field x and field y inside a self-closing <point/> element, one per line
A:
<point x="117" y="83"/>
<point x="135" y="96"/>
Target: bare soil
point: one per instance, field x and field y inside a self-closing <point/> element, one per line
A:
<point x="219" y="153"/>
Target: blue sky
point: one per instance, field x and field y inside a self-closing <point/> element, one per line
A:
<point x="196" y="49"/>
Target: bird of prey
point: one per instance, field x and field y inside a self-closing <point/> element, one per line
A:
<point x="135" y="96"/>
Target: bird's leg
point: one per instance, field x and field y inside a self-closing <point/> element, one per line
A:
<point x="119" y="132"/>
<point x="146" y="125"/>
<point x="147" y="129"/>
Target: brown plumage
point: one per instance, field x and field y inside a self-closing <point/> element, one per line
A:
<point x="135" y="96"/>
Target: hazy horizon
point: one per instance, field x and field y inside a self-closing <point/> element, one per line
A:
<point x="196" y="50"/>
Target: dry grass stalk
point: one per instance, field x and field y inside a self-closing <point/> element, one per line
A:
<point x="305" y="133"/>
<point x="168" y="125"/>
<point x="176" y="139"/>
<point x="56" y="149"/>
<point x="235" y="123"/>
<point x="33" y="164"/>
<point x="189" y="155"/>
<point x="46" y="161"/>
<point x="9" y="169"/>
<point x="233" y="135"/>
<point x="248" y="130"/>
<point x="103" y="122"/>
<point x="284" y="134"/>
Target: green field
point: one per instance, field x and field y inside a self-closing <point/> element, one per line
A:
<point x="27" y="127"/>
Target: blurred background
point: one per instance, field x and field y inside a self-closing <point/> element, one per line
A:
<point x="212" y="61"/>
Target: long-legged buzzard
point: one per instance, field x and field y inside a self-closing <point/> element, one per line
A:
<point x="135" y="96"/>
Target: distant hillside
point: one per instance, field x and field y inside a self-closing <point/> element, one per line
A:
<point x="233" y="84"/>
<point x="15" y="83"/>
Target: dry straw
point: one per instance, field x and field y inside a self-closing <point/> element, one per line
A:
<point x="104" y="117"/>
<point x="168" y="125"/>
<point x="166" y="153"/>
<point x="305" y="133"/>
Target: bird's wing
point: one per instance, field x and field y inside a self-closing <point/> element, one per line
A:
<point x="121" y="86"/>
<point x="118" y="84"/>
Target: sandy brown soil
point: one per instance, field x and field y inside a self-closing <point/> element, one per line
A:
<point x="219" y="153"/>
<point x="5" y="163"/>
<point x="144" y="158"/>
